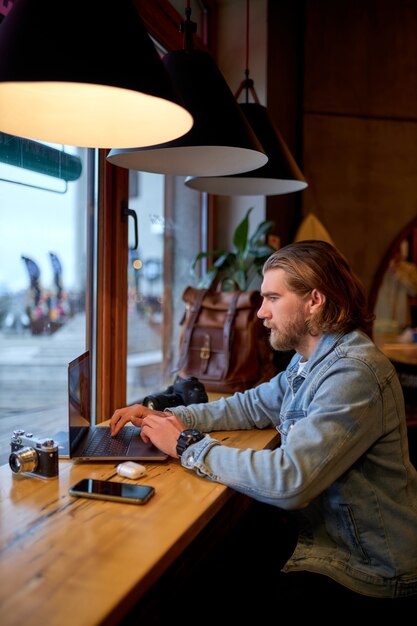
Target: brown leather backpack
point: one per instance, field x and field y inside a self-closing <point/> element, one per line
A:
<point x="223" y="342"/>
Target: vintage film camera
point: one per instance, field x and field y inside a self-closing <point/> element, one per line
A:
<point x="37" y="457"/>
<point x="183" y="391"/>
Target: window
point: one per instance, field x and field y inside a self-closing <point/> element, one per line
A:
<point x="169" y="236"/>
<point x="43" y="277"/>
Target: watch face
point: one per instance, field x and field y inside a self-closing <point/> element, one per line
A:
<point x="193" y="433"/>
<point x="188" y="437"/>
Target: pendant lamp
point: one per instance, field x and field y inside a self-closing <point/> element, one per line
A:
<point x="279" y="175"/>
<point x="85" y="74"/>
<point x="221" y="140"/>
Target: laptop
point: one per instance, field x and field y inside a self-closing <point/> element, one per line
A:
<point x="87" y="442"/>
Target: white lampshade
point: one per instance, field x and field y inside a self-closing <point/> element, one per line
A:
<point x="279" y="175"/>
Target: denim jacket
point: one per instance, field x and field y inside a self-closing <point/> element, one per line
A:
<point x="342" y="466"/>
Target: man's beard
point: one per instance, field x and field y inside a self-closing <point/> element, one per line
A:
<point x="290" y="335"/>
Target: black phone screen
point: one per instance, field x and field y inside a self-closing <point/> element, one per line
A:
<point x="109" y="490"/>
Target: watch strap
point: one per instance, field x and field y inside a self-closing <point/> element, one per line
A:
<point x="187" y="438"/>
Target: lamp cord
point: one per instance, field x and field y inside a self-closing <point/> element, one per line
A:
<point x="188" y="28"/>
<point x="247" y="41"/>
<point x="247" y="83"/>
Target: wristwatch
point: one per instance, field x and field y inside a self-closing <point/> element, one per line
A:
<point x="187" y="438"/>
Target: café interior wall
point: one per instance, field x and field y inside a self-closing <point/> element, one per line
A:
<point x="356" y="115"/>
<point x="360" y="124"/>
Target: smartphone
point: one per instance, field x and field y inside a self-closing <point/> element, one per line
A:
<point x="109" y="490"/>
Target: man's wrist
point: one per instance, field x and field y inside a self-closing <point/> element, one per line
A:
<point x="188" y="437"/>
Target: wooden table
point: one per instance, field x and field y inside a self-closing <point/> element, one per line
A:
<point x="66" y="560"/>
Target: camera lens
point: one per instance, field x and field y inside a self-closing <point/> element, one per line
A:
<point x="24" y="460"/>
<point x="162" y="401"/>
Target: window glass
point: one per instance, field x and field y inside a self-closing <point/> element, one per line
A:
<point x="145" y="285"/>
<point x="43" y="269"/>
<point x="170" y="219"/>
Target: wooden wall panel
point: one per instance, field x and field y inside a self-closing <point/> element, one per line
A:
<point x="363" y="176"/>
<point x="285" y="103"/>
<point x="361" y="57"/>
<point x="360" y="123"/>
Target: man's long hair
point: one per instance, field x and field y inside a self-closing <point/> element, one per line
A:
<point x="314" y="264"/>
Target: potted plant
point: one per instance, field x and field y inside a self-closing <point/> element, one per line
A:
<point x="234" y="270"/>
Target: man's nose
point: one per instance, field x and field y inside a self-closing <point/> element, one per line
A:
<point x="261" y="312"/>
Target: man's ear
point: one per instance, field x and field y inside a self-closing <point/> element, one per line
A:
<point x="316" y="300"/>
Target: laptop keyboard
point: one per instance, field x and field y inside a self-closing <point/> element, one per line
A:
<point x="103" y="443"/>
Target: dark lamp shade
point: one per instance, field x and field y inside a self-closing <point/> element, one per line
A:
<point x="85" y="74"/>
<point x="221" y="140"/>
<point x="280" y="175"/>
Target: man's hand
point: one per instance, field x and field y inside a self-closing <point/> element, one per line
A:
<point x="134" y="413"/>
<point x="163" y="431"/>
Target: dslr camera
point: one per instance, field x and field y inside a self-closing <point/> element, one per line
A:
<point x="183" y="391"/>
<point x="37" y="457"/>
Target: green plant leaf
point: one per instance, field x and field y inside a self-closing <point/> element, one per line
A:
<point x="240" y="238"/>
<point x="262" y="251"/>
<point x="228" y="284"/>
<point x="205" y="255"/>
<point x="207" y="280"/>
<point x="225" y="260"/>
<point x="240" y="279"/>
<point x="261" y="231"/>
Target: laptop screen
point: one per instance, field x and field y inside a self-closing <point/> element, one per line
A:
<point x="79" y="398"/>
